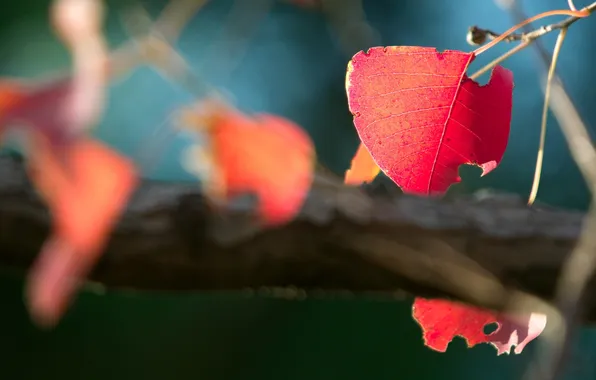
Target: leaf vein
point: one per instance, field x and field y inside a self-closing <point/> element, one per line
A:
<point x="406" y="89"/>
<point x="391" y="116"/>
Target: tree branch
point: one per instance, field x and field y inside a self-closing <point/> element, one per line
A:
<point x="345" y="241"/>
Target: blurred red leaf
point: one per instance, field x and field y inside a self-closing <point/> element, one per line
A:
<point x="265" y="155"/>
<point x="36" y="106"/>
<point x="421" y="117"/>
<point x="85" y="200"/>
<point x="442" y="320"/>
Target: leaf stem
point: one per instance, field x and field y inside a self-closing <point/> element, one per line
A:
<point x="540" y="156"/>
<point x="575" y="15"/>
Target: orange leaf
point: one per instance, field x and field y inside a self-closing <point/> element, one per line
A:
<point x="265" y="155"/>
<point x="363" y="168"/>
<point x="268" y="156"/>
<point x="85" y="200"/>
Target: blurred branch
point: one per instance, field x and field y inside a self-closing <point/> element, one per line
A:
<point x="227" y="51"/>
<point x="499" y="59"/>
<point x="345" y="241"/>
<point x="348" y="20"/>
<point x="152" y="41"/>
<point x="176" y="15"/>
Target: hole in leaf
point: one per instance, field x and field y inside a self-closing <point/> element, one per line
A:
<point x="490" y="328"/>
<point x="470" y="173"/>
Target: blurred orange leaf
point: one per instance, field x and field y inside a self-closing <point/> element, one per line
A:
<point x="86" y="188"/>
<point x="265" y="155"/>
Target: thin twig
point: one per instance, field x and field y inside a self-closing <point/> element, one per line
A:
<point x="556" y="335"/>
<point x="556" y="338"/>
<point x="567" y="114"/>
<point x="499" y="59"/>
<point x="540" y="155"/>
<point x="476" y="33"/>
<point x="581" y="262"/>
<point x="526" y="38"/>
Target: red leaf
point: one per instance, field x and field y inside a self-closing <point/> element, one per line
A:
<point x="265" y="155"/>
<point x="421" y="117"/>
<point x="85" y="200"/>
<point x="442" y="320"/>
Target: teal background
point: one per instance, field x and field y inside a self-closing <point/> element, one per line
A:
<point x="293" y="67"/>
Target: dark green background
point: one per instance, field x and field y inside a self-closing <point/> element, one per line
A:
<point x="294" y="68"/>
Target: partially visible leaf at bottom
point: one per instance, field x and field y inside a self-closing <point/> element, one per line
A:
<point x="85" y="200"/>
<point x="443" y="320"/>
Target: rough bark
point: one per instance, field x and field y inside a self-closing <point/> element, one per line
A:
<point x="345" y="241"/>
